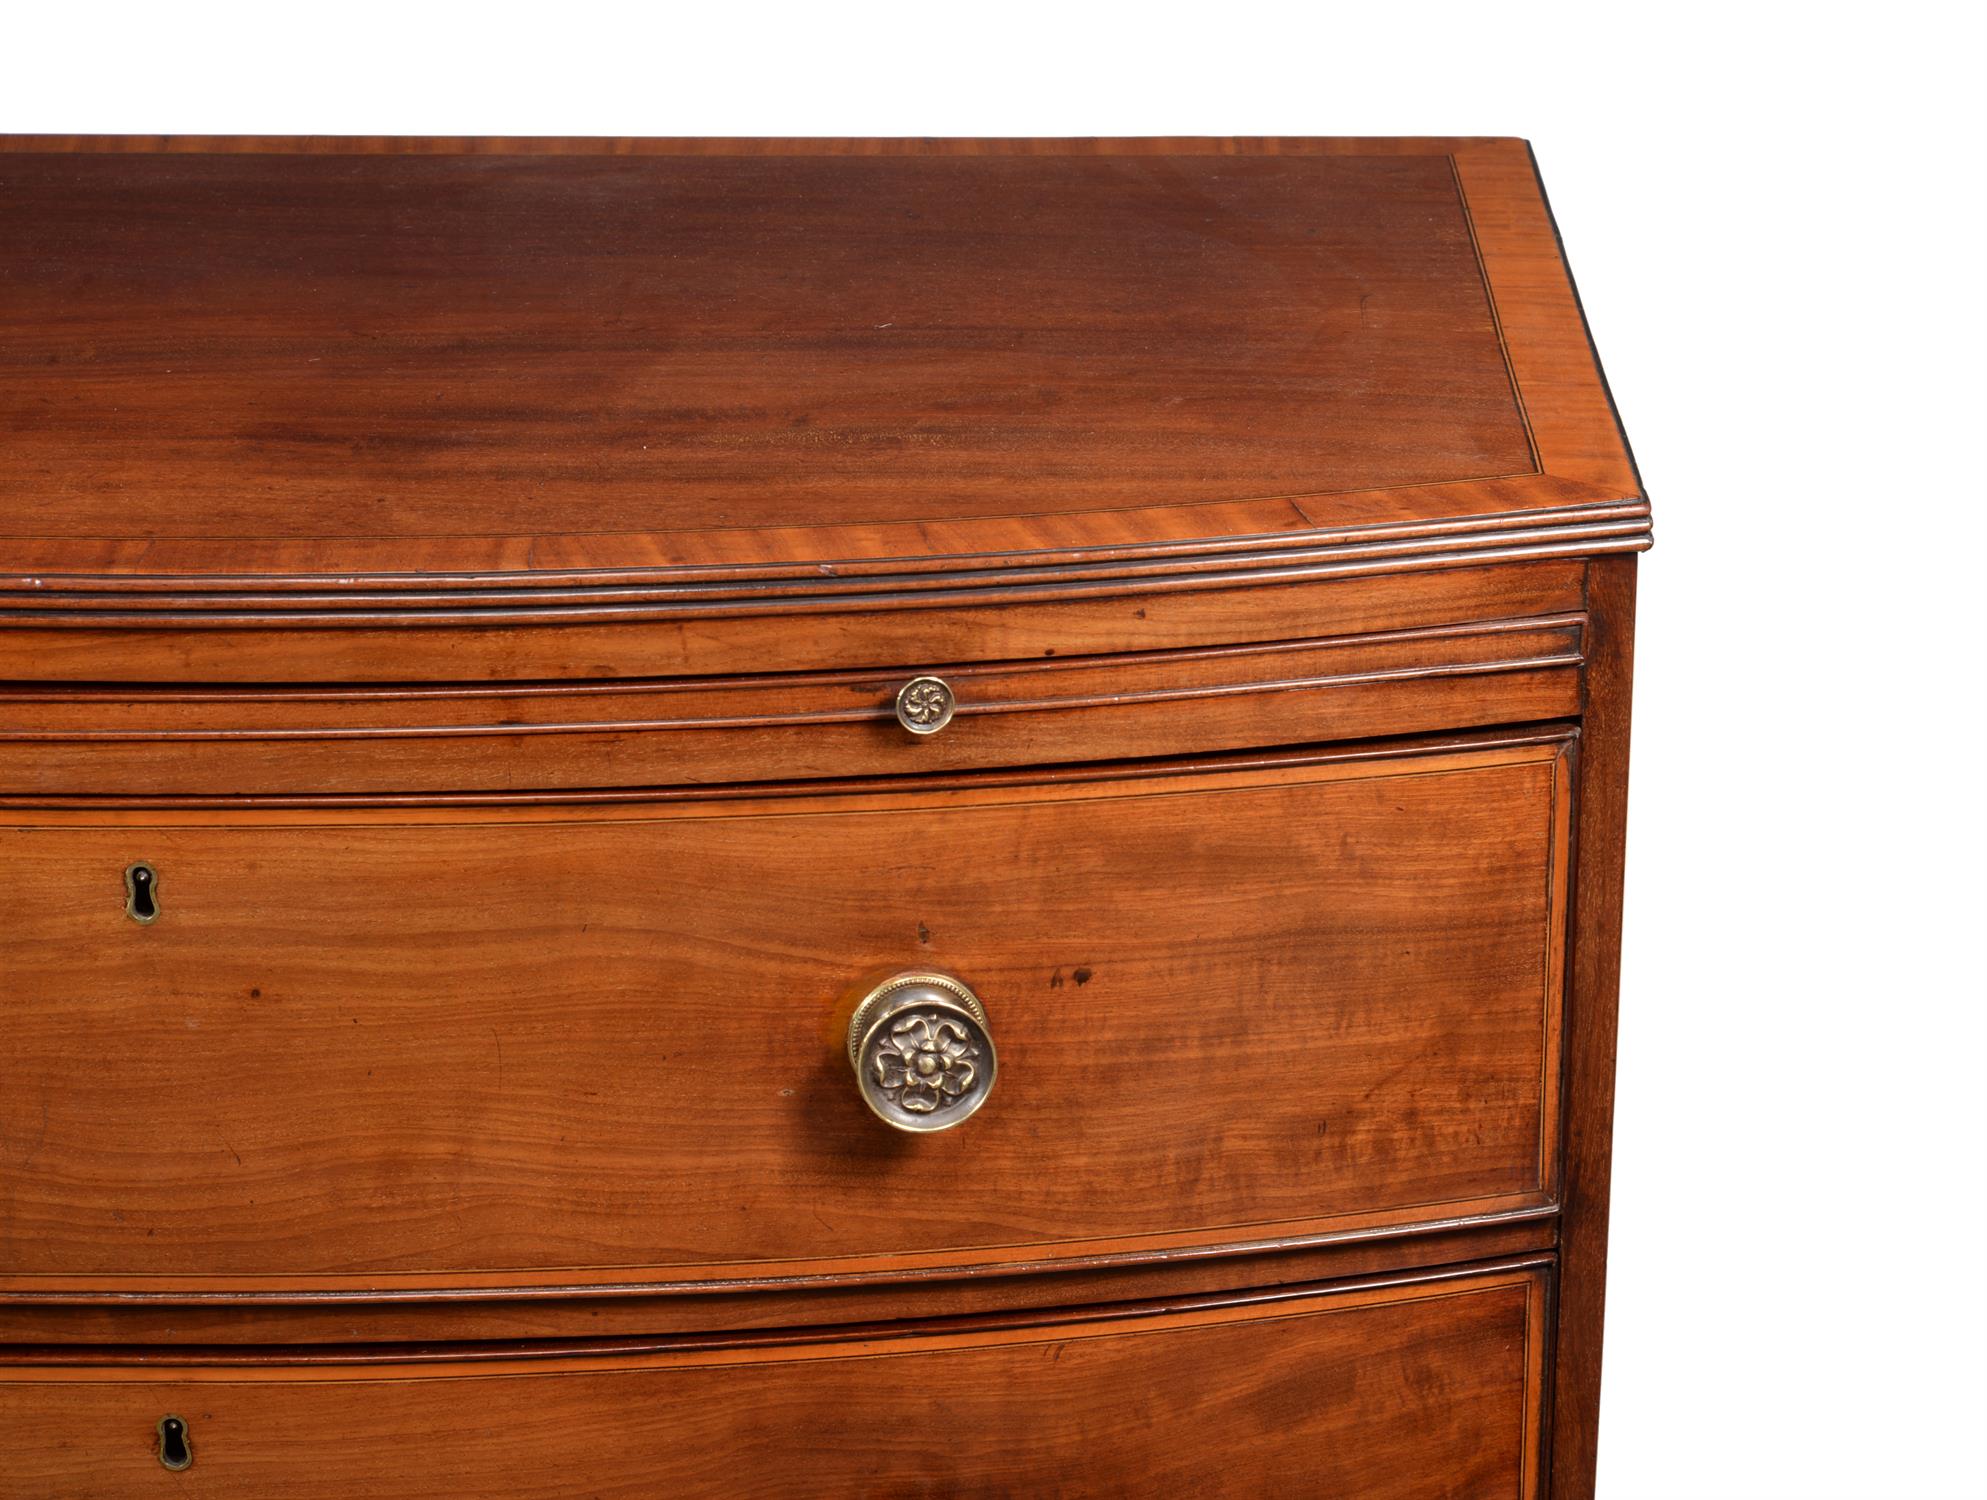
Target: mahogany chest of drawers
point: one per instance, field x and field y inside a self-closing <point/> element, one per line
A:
<point x="804" y="818"/>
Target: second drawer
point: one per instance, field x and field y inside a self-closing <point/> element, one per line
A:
<point x="499" y="1049"/>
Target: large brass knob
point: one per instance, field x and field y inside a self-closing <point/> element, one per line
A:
<point x="922" y="1057"/>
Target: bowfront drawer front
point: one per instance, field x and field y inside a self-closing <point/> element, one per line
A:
<point x="1383" y="1390"/>
<point x="503" y="1048"/>
<point x="469" y="737"/>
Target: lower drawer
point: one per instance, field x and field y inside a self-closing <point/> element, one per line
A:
<point x="1408" y="1387"/>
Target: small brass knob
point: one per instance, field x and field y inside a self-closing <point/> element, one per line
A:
<point x="925" y="704"/>
<point x="922" y="1057"/>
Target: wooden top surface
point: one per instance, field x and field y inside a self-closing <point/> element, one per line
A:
<point x="323" y="366"/>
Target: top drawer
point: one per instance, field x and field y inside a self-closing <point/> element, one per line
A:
<point x="564" y="736"/>
<point x="491" y="1049"/>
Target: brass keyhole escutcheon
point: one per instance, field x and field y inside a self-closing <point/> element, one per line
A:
<point x="175" y="1446"/>
<point x="141" y="893"/>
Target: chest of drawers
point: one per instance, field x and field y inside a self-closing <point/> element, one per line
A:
<point x="804" y="818"/>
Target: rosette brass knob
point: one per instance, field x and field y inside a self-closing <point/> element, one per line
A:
<point x="921" y="1053"/>
<point x="925" y="704"/>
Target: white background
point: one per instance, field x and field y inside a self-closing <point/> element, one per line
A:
<point x="1776" y="217"/>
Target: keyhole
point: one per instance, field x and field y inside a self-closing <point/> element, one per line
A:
<point x="141" y="893"/>
<point x="175" y="1448"/>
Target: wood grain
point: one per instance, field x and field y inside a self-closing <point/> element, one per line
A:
<point x="1364" y="1391"/>
<point x="952" y="626"/>
<point x="175" y="742"/>
<point x="436" y="360"/>
<point x="58" y="1322"/>
<point x="1590" y="1054"/>
<point x="437" y="345"/>
<point x="1231" y="1007"/>
<point x="475" y="575"/>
